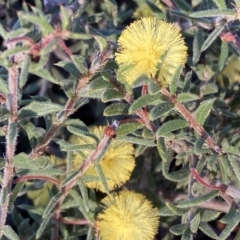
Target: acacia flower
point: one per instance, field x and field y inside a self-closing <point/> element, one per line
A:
<point x="117" y="163"/>
<point x="128" y="215"/>
<point x="150" y="47"/>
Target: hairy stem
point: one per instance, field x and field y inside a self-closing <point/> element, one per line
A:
<point x="11" y="142"/>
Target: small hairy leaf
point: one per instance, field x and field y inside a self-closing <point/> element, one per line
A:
<point x="197" y="44"/>
<point x="116" y="109"/>
<point x="175" y="78"/>
<point x="195" y="223"/>
<point x="207" y="229"/>
<point x="214" y="13"/>
<point x="127" y="128"/>
<point x="178" y="229"/>
<point x="9" y="233"/>
<point x="187" y="97"/>
<point x="99" y="84"/>
<point x="80" y="63"/>
<point x="211" y="38"/>
<point x="223" y="56"/>
<point x="209" y="89"/>
<point x="171" y="126"/>
<point x="160" y="110"/>
<point x="144" y="101"/>
<point x="203" y="110"/>
<point x="37" y="109"/>
<point x="195" y="201"/>
<point x="111" y="95"/>
<point x="136" y="140"/>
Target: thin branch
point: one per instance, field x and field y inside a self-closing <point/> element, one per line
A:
<point x="193" y="123"/>
<point x="11" y="142"/>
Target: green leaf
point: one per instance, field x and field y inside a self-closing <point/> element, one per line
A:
<point x="197" y="44"/>
<point x="51" y="205"/>
<point x="224" y="168"/>
<point x="166" y="212"/>
<point x="46" y="172"/>
<point x="23" y="160"/>
<point x="223" y="56"/>
<point x="235" y="165"/>
<point x="99" y="84"/>
<point x="203" y="110"/>
<point x="116" y="109"/>
<point x="187" y="82"/>
<point x="37" y="109"/>
<point x="112" y="9"/>
<point x="144" y="101"/>
<point x="111" y="95"/>
<point x="237" y="3"/>
<point x="207" y="229"/>
<point x="69" y="67"/>
<point x="176" y="176"/>
<point x="79" y="131"/>
<point x="42" y="73"/>
<point x="9" y="233"/>
<point x="3" y="86"/>
<point x="198" y="145"/>
<point x="195" y="201"/>
<point x="160" y="110"/>
<point x="101" y="177"/>
<point x="178" y="229"/>
<point x="84" y="193"/>
<point x="161" y="147"/>
<point x="81" y="206"/>
<point x="65" y="18"/>
<point x="43" y="226"/>
<point x="227" y="218"/>
<point x="102" y="43"/>
<point x="209" y="89"/>
<point x="46" y="28"/>
<point x="171" y="126"/>
<point x="214" y="13"/>
<point x="24" y="71"/>
<point x="12" y="132"/>
<point x="209" y="215"/>
<point x="127" y="128"/>
<point x="175" y="210"/>
<point x="136" y="140"/>
<point x="13" y="51"/>
<point x="183" y="5"/>
<point x="153" y="88"/>
<point x="3" y="32"/>
<point x="221" y="4"/>
<point x="214" y="34"/>
<point x="14" y="194"/>
<point x="4" y="113"/>
<point x="175" y="78"/>
<point x="195" y="223"/>
<point x="230" y="226"/>
<point x="187" y="235"/>
<point x="187" y="97"/>
<point x="80" y="63"/>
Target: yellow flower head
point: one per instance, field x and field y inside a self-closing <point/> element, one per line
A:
<point x="128" y="215"/>
<point x="148" y="43"/>
<point x="117" y="164"/>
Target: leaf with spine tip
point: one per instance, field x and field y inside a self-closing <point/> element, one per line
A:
<point x="43" y="226"/>
<point x="209" y="88"/>
<point x="203" y="110"/>
<point x="111" y="94"/>
<point x="69" y="67"/>
<point x="207" y="229"/>
<point x="176" y="210"/>
<point x="178" y="229"/>
<point x="208" y="215"/>
<point x="4" y="113"/>
<point x="99" y="84"/>
<point x="38" y="109"/>
<point x="136" y="140"/>
<point x="116" y="109"/>
<point x="80" y="63"/>
<point x="187" y="97"/>
<point x="187" y="235"/>
<point x="51" y="205"/>
<point x="230" y="226"/>
<point x="195" y="201"/>
<point x="194" y="224"/>
<point x="161" y="109"/>
<point x="235" y="165"/>
<point x="166" y="212"/>
<point x="144" y="101"/>
<point x="223" y="56"/>
<point x="187" y="82"/>
<point x="221" y="4"/>
<point x="127" y="128"/>
<point x="9" y="233"/>
<point x="24" y="71"/>
<point x="197" y="44"/>
<point x="214" y="13"/>
<point x="171" y="126"/>
<point x="211" y="38"/>
<point x="175" y="78"/>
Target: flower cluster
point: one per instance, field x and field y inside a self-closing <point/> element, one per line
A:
<point x="117" y="163"/>
<point x="127" y="215"/>
<point x="150" y="47"/>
